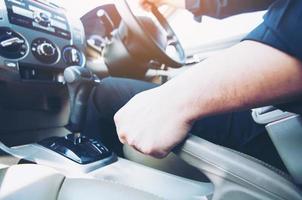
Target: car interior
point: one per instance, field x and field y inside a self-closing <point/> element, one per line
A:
<point x="50" y="61"/>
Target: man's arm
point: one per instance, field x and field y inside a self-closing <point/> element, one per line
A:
<point x="225" y="8"/>
<point x="214" y="8"/>
<point x="247" y="75"/>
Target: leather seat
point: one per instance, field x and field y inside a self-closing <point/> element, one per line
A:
<point x="36" y="182"/>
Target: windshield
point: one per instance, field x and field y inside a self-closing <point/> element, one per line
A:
<point x="192" y="34"/>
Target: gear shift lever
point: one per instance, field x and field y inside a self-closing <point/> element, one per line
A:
<point x="80" y="82"/>
<point x="76" y="147"/>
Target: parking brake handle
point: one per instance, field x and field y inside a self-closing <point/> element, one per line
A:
<point x="80" y="82"/>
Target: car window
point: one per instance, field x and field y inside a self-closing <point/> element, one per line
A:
<point x="193" y="34"/>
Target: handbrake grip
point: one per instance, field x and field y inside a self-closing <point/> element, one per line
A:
<point x="236" y="175"/>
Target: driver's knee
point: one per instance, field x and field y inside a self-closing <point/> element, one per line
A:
<point x="105" y="100"/>
<point x="106" y="97"/>
<point x="113" y="93"/>
<point x="102" y="106"/>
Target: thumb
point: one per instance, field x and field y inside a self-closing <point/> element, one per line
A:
<point x="147" y="4"/>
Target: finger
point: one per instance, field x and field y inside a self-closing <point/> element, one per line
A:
<point x="145" y="5"/>
<point x="122" y="139"/>
<point x="137" y="149"/>
<point x="149" y="4"/>
<point x="153" y="152"/>
<point x="121" y="135"/>
<point x="157" y="154"/>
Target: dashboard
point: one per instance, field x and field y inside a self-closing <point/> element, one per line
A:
<point x="38" y="40"/>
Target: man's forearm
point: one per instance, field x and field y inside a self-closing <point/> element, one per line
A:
<point x="225" y="8"/>
<point x="258" y="75"/>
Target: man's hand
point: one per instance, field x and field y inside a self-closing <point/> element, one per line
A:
<point x="152" y="122"/>
<point x="157" y="3"/>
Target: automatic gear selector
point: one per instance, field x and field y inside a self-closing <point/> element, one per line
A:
<point x="76" y="147"/>
<point x="79" y="148"/>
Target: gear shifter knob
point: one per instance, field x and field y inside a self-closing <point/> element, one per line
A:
<point x="80" y="82"/>
<point x="74" y="74"/>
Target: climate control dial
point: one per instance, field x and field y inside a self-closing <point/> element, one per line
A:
<point x="45" y="50"/>
<point x="12" y="44"/>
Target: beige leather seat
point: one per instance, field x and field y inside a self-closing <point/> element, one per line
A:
<point x="34" y="182"/>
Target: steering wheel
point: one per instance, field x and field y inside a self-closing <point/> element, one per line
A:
<point x="172" y="54"/>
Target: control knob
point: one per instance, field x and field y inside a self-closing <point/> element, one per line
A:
<point x="12" y="44"/>
<point x="42" y="19"/>
<point x="73" y="56"/>
<point x="46" y="49"/>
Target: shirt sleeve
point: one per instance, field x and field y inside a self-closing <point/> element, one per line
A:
<point x="225" y="8"/>
<point x="281" y="28"/>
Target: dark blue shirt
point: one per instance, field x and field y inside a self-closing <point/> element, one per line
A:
<point x="281" y="28"/>
<point x="225" y="8"/>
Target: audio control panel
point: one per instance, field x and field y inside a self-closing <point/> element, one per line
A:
<point x="38" y="16"/>
<point x="37" y="36"/>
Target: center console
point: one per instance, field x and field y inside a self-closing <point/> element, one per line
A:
<point x="122" y="172"/>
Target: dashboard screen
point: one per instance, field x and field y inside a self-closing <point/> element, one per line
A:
<point x="40" y="16"/>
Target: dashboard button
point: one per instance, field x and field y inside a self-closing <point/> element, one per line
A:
<point x="10" y="66"/>
<point x="72" y="56"/>
<point x="42" y="18"/>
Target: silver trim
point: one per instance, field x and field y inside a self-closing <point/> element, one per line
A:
<point x="11" y="41"/>
<point x="269" y="114"/>
<point x="21" y="11"/>
<point x="43" y="156"/>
